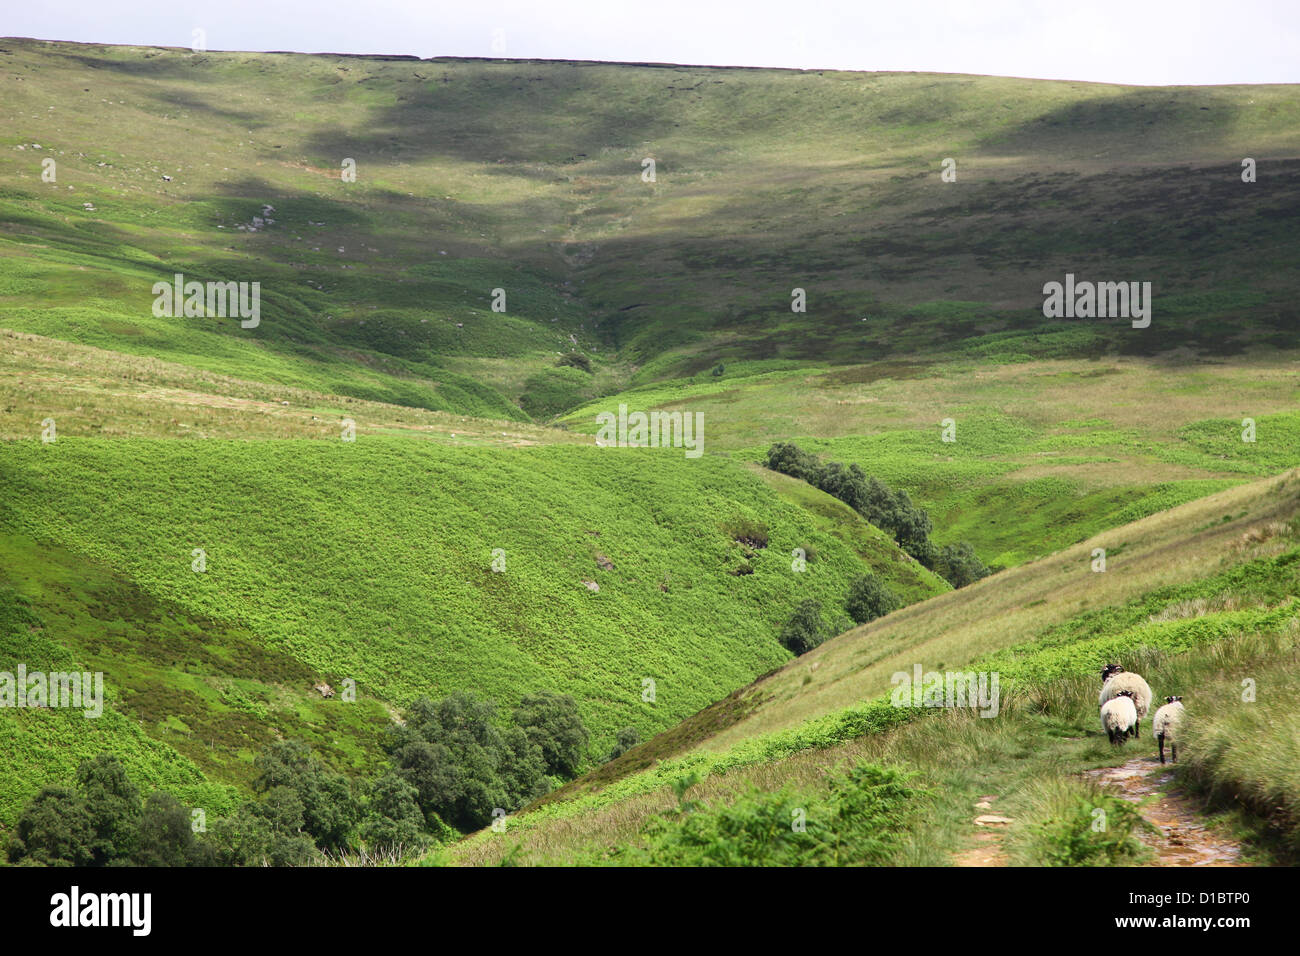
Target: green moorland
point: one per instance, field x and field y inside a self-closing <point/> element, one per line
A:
<point x="372" y="560"/>
<point x="923" y="296"/>
<point x="1046" y="453"/>
<point x="527" y="176"/>
<point x="1196" y="598"/>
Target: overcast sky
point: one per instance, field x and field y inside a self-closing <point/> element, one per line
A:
<point x="1114" y="41"/>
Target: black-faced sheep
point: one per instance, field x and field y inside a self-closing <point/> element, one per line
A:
<point x="1165" y="724"/>
<point x="1119" y="717"/>
<point x="1115" y="679"/>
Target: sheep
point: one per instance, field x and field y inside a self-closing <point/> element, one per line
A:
<point x="1119" y="716"/>
<point x="1115" y="679"/>
<point x="1165" y="725"/>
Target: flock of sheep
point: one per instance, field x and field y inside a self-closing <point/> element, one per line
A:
<point x="1125" y="699"/>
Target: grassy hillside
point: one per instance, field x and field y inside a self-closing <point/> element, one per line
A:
<point x="1047" y="453"/>
<point x="373" y="561"/>
<point x="1205" y="592"/>
<point x="923" y="296"/>
<point x="525" y="176"/>
<point x="499" y="225"/>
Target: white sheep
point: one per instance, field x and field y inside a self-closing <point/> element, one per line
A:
<point x="1115" y="679"/>
<point x="1119" y="717"/>
<point x="1165" y="725"/>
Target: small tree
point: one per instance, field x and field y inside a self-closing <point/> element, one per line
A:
<point x="627" y="738"/>
<point x="869" y="599"/>
<point x="330" y="808"/>
<point x="789" y="459"/>
<point x="393" y="819"/>
<point x="113" y="803"/>
<point x="576" y="360"/>
<point x="166" y="836"/>
<point x="55" y="829"/>
<point x="805" y="629"/>
<point x="551" y="721"/>
<point x="959" y="565"/>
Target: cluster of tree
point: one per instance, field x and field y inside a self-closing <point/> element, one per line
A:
<point x="453" y="765"/>
<point x="889" y="510"/>
<point x="101" y="821"/>
<point x="302" y="809"/>
<point x="465" y="766"/>
<point x="867" y="600"/>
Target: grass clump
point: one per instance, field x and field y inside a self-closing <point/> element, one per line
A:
<point x="1073" y="823"/>
<point x="1240" y="744"/>
<point x="863" y="818"/>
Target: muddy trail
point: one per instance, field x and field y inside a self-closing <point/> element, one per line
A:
<point x="1181" y="837"/>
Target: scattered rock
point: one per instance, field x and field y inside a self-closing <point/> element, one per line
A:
<point x="604" y="562"/>
<point x="324" y="689"/>
<point x="991" y="820"/>
<point x="592" y="586"/>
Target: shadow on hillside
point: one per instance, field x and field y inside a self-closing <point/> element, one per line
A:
<point x="488" y="114"/>
<point x="1136" y="120"/>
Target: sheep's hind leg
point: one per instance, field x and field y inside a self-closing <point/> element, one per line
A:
<point x="1174" y="747"/>
<point x="1160" y="738"/>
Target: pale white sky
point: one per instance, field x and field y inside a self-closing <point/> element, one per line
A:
<point x="1115" y="41"/>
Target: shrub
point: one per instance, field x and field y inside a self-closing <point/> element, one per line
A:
<point x="1072" y="824"/>
<point x="625" y="740"/>
<point x="805" y="629"/>
<point x="746" y="531"/>
<point x="550" y="720"/>
<point x="958" y="564"/>
<point x="864" y="819"/>
<point x="869" y="599"/>
<point x="576" y="360"/>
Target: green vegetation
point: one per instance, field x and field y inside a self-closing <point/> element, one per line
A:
<point x="1239" y="747"/>
<point x="214" y="665"/>
<point x="464" y="768"/>
<point x="1240" y="618"/>
<point x="1070" y="823"/>
<point x="631" y="653"/>
<point x="890" y="510"/>
<point x="869" y="599"/>
<point x="805" y="629"/>
<point x="865" y="817"/>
